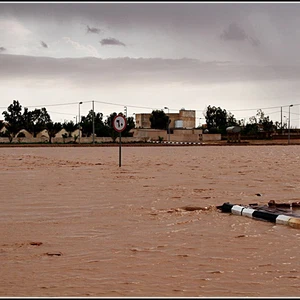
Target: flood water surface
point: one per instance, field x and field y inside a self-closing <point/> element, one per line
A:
<point x="74" y="223"/>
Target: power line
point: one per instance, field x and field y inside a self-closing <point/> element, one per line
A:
<point x="60" y="104"/>
<point x="125" y="105"/>
<point x="46" y="105"/>
<point x="146" y="107"/>
<point x="60" y="113"/>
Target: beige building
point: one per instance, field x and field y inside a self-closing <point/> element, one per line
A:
<point x="25" y="132"/>
<point x="43" y="134"/>
<point x="184" y="119"/>
<point x="182" y="128"/>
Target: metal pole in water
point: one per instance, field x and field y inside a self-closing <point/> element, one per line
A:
<point x="120" y="150"/>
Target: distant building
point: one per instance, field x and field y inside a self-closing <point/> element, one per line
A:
<point x="184" y="119"/>
<point x="25" y="133"/>
<point x="61" y="133"/>
<point x="43" y="134"/>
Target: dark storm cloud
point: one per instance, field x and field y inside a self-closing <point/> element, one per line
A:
<point x="189" y="17"/>
<point x="111" y="41"/>
<point x="44" y="44"/>
<point x="235" y="33"/>
<point x="254" y="42"/>
<point x="116" y="13"/>
<point x="92" y="29"/>
<point x="2" y="49"/>
<point x="94" y="71"/>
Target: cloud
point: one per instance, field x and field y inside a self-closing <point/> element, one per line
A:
<point x="89" y="50"/>
<point x="111" y="41"/>
<point x="91" y="71"/>
<point x="44" y="44"/>
<point x="13" y="30"/>
<point x="254" y="41"/>
<point x="235" y="33"/>
<point x="93" y="30"/>
<point x="2" y="49"/>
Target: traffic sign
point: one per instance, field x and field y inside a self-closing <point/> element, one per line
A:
<point x="119" y="123"/>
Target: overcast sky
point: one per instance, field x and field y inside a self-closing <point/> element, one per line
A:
<point x="239" y="56"/>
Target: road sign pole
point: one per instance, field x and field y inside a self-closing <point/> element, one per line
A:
<point x="119" y="124"/>
<point x="120" y="145"/>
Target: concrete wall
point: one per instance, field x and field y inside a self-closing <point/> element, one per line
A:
<point x="149" y="134"/>
<point x="83" y="140"/>
<point x="185" y="138"/>
<point x="211" y="137"/>
<point x="178" y="135"/>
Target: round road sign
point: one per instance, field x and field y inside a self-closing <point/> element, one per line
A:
<point x="119" y="123"/>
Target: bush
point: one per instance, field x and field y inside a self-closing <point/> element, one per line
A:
<point x="160" y="138"/>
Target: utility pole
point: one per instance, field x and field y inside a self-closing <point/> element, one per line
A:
<point x="281" y="120"/>
<point x="79" y="121"/>
<point x="93" y="118"/>
<point x="289" y="138"/>
<point x="169" y="121"/>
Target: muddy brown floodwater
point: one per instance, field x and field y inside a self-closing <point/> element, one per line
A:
<point x="74" y="223"/>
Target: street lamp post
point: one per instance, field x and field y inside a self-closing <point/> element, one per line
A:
<point x="289" y="139"/>
<point x="93" y="119"/>
<point x="79" y="121"/>
<point x="168" y="123"/>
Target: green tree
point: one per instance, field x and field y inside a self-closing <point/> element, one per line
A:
<point x="216" y="119"/>
<point x="159" y="120"/>
<point x="36" y="120"/>
<point x="129" y="125"/>
<point x="87" y="124"/>
<point x="260" y="125"/>
<point x="53" y="129"/>
<point x="109" y="123"/>
<point x="267" y="124"/>
<point x="13" y="116"/>
<point x="101" y="129"/>
<point x="231" y="120"/>
<point x="251" y="129"/>
<point x="69" y="126"/>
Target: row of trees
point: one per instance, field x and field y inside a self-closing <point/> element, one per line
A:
<point x="39" y="119"/>
<point x="217" y="120"/>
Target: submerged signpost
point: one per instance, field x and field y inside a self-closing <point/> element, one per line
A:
<point x="119" y="124"/>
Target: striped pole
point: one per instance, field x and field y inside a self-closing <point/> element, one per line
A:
<point x="261" y="215"/>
